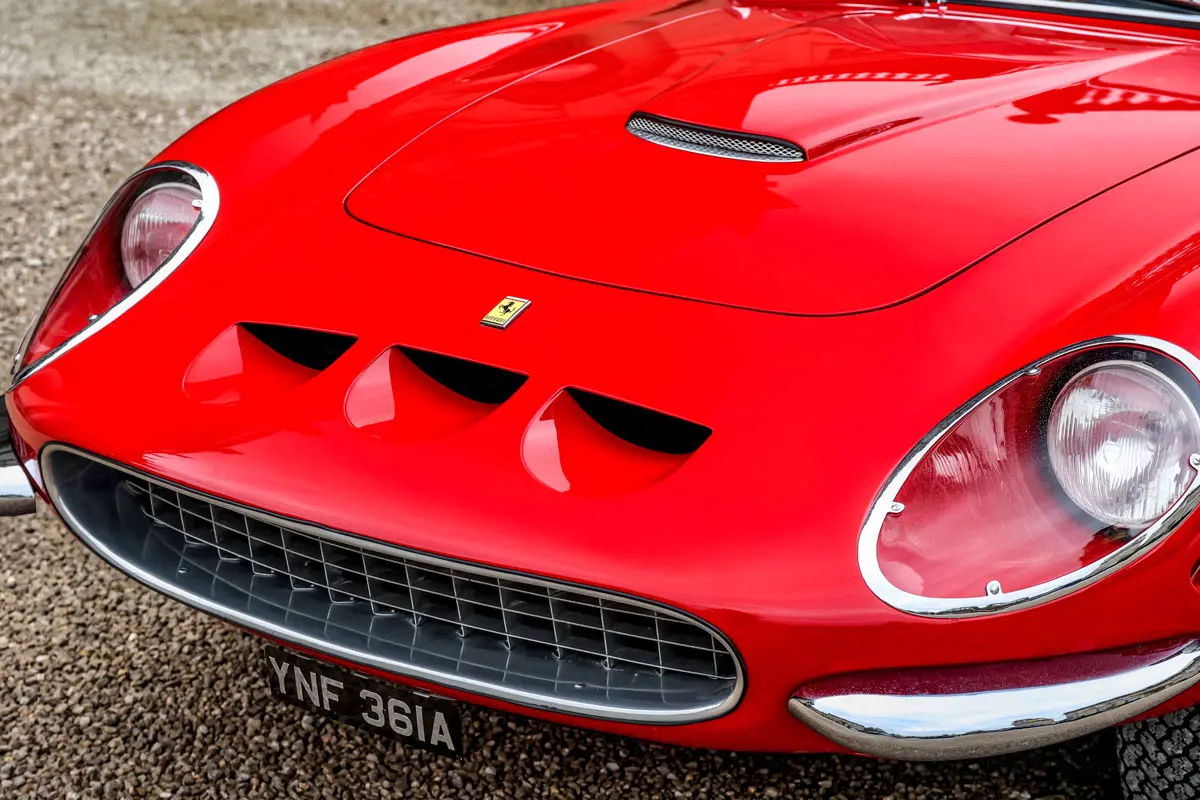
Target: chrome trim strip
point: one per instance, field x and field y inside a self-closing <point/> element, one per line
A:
<point x="210" y="205"/>
<point x="16" y="493"/>
<point x="956" y="607"/>
<point x="1097" y="10"/>
<point x="459" y="682"/>
<point x="974" y="725"/>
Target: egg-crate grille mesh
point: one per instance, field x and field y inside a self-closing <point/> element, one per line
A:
<point x="521" y="633"/>
<point x="711" y="142"/>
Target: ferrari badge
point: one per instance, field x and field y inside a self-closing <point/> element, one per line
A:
<point x="505" y="312"/>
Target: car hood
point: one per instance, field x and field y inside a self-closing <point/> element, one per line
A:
<point x="932" y="139"/>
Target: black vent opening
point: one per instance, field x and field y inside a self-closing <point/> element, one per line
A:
<point x="644" y="427"/>
<point x="738" y="145"/>
<point x="306" y="347"/>
<point x="482" y="383"/>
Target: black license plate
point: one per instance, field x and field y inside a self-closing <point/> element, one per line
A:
<point x="420" y="720"/>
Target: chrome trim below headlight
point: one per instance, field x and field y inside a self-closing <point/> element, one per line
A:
<point x="942" y="727"/>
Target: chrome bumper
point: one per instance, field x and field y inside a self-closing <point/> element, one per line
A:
<point x="16" y="495"/>
<point x="934" y="726"/>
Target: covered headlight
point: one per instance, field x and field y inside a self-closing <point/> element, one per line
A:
<point x="152" y="223"/>
<point x="1049" y="480"/>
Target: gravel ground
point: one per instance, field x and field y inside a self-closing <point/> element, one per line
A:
<point x="111" y="691"/>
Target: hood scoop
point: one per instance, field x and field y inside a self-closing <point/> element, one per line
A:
<point x="712" y="141"/>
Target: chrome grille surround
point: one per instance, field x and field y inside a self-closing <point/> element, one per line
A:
<point x="511" y="636"/>
<point x="711" y="141"/>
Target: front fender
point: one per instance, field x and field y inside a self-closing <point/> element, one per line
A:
<point x="311" y="137"/>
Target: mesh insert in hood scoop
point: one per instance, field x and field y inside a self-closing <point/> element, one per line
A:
<point x="711" y="141"/>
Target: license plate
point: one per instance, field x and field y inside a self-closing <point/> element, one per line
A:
<point x="420" y="720"/>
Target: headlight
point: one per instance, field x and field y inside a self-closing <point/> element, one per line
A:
<point x="1120" y="436"/>
<point x="155" y="225"/>
<point x="1049" y="480"/>
<point x="153" y="222"/>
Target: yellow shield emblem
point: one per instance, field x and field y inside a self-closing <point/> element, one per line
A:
<point x="503" y="314"/>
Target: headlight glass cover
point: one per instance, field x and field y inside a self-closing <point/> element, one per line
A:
<point x="1049" y="480"/>
<point x="157" y="223"/>
<point x="151" y="225"/>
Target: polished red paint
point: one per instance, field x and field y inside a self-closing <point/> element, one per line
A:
<point x="904" y="113"/>
<point x="394" y="400"/>
<point x="236" y="367"/>
<point x="507" y="137"/>
<point x="566" y="450"/>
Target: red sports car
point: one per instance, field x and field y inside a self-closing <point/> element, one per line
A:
<point x="789" y="376"/>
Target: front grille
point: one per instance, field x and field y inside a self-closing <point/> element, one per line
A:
<point x="513" y="636"/>
<point x="712" y="142"/>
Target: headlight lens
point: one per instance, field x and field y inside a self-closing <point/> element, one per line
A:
<point x="1055" y="476"/>
<point x="150" y="225"/>
<point x="1120" y="436"/>
<point x="159" y="220"/>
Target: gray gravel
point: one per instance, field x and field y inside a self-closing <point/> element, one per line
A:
<point x="107" y="690"/>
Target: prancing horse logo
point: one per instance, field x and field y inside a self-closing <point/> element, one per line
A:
<point x="504" y="312"/>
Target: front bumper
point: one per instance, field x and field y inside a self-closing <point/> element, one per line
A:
<point x="920" y="717"/>
<point x="924" y="714"/>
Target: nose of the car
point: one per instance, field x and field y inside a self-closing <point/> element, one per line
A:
<point x="648" y="444"/>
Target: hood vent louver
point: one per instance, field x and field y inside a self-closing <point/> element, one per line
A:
<point x="713" y="141"/>
<point x="644" y="427"/>
<point x="313" y="349"/>
<point x="482" y="383"/>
